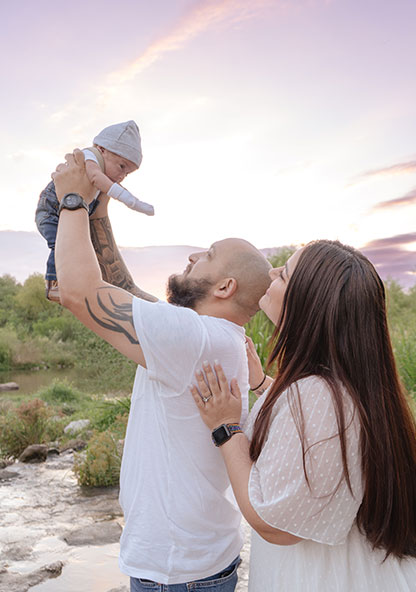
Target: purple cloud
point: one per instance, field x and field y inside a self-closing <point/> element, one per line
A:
<point x="405" y="200"/>
<point x="392" y="259"/>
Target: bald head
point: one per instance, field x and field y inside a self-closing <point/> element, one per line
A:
<point x="249" y="267"/>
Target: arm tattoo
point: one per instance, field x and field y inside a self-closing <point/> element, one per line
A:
<point x="117" y="316"/>
<point x="113" y="267"/>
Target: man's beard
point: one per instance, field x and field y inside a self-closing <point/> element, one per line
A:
<point x="187" y="292"/>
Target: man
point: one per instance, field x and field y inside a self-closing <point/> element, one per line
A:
<point x="181" y="522"/>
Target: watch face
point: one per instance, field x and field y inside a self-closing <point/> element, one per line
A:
<point x="221" y="435"/>
<point x="72" y="201"/>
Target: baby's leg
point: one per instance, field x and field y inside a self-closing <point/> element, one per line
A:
<point x="47" y="223"/>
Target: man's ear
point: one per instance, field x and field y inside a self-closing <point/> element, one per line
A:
<point x="225" y="288"/>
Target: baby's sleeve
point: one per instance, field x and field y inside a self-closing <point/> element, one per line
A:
<point x="323" y="510"/>
<point x="89" y="155"/>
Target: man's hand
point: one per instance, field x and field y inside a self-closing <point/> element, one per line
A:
<point x="71" y="177"/>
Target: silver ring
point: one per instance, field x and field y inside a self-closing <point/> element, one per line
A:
<point x="205" y="399"/>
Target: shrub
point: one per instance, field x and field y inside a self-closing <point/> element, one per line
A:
<point x="29" y="424"/>
<point x="111" y="411"/>
<point x="100" y="465"/>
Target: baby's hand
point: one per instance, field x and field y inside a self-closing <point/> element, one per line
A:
<point x="70" y="177"/>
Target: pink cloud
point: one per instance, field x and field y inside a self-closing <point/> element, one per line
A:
<point x="406" y="200"/>
<point x="204" y="16"/>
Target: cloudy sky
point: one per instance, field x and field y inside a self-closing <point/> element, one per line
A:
<point x="277" y="121"/>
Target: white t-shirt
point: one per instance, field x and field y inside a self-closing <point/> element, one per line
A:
<point x="181" y="519"/>
<point x="89" y="155"/>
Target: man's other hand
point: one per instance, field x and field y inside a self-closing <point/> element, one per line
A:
<point x="71" y="177"/>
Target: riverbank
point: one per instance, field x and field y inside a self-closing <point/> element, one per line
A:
<point x="47" y="519"/>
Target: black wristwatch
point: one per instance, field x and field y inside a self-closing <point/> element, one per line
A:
<point x="223" y="433"/>
<point x="72" y="201"/>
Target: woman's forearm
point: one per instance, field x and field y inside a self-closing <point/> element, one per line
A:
<point x="237" y="460"/>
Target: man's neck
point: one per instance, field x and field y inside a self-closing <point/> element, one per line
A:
<point x="221" y="312"/>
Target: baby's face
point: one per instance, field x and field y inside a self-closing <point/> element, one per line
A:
<point x="116" y="167"/>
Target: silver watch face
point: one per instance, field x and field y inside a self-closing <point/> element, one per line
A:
<point x="72" y="201"/>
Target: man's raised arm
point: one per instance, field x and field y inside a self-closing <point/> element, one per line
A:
<point x="112" y="265"/>
<point x="106" y="309"/>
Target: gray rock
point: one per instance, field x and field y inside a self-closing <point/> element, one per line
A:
<point x="34" y="453"/>
<point x="52" y="451"/>
<point x="13" y="582"/>
<point x="5" y="462"/>
<point x="76" y="444"/>
<point x="6" y="475"/>
<point x="76" y="426"/>
<point x="9" y="386"/>
<point x="100" y="533"/>
<point x="17" y="552"/>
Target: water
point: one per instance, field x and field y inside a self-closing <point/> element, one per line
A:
<point x="31" y="381"/>
<point x="37" y="509"/>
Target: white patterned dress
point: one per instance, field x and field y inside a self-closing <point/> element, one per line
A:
<point x="334" y="556"/>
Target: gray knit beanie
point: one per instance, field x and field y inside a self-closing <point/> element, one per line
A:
<point x="122" y="139"/>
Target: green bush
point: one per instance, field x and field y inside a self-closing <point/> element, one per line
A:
<point x="29" y="424"/>
<point x="111" y="411"/>
<point x="100" y="465"/>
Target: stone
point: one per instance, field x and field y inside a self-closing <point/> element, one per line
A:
<point x="76" y="426"/>
<point x="34" y="453"/>
<point x="6" y="462"/>
<point x="53" y="451"/>
<point x="14" y="582"/>
<point x="100" y="533"/>
<point x="9" y="386"/>
<point x="6" y="475"/>
<point x="76" y="445"/>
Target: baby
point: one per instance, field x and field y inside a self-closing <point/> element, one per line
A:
<point x="116" y="153"/>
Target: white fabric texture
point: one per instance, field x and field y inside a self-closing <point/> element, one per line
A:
<point x="118" y="192"/>
<point x="181" y="519"/>
<point x="335" y="556"/>
<point x="89" y="155"/>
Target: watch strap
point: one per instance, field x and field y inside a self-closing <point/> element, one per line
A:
<point x="231" y="428"/>
<point x="82" y="203"/>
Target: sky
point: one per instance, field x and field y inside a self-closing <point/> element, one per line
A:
<point x="276" y="121"/>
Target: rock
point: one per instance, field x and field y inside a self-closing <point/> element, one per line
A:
<point x="6" y="475"/>
<point x="100" y="533"/>
<point x="14" y="582"/>
<point x="121" y="589"/>
<point x="5" y="462"/>
<point x="17" y="552"/>
<point x="9" y="386"/>
<point x="76" y="445"/>
<point x="76" y="426"/>
<point x="53" y="451"/>
<point x="34" y="453"/>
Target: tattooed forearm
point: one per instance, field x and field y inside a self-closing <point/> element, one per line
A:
<point x="113" y="267"/>
<point x="119" y="318"/>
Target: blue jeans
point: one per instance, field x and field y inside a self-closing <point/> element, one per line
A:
<point x="46" y="219"/>
<point x="224" y="581"/>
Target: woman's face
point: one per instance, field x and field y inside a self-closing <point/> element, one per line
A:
<point x="272" y="301"/>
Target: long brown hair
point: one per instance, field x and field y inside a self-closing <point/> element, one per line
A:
<point x="333" y="324"/>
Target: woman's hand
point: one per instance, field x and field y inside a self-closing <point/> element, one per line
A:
<point x="217" y="402"/>
<point x="255" y="369"/>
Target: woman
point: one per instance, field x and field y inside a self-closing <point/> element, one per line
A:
<point x="325" y="472"/>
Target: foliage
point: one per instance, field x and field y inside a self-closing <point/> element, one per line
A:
<point x="30" y="423"/>
<point x="30" y="299"/>
<point x="100" y="465"/>
<point x="110" y="412"/>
